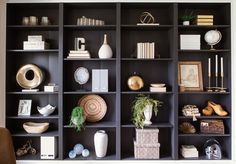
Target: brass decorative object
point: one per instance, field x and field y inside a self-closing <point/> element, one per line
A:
<point x="25" y="149"/>
<point x="26" y="83"/>
<point x="187" y="128"/>
<point x="146" y="18"/>
<point x="135" y="82"/>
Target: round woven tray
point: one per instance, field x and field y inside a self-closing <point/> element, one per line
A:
<point x="94" y="106"/>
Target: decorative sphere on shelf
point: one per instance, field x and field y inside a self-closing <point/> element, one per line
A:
<point x="72" y="154"/>
<point x="85" y="153"/>
<point x="78" y="148"/>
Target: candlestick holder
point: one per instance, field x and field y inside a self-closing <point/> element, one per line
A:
<point x="209" y="88"/>
<point x="216" y="87"/>
<point x="222" y="89"/>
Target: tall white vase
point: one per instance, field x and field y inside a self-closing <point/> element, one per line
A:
<point x="100" y="143"/>
<point x="105" y="50"/>
<point x="148" y="114"/>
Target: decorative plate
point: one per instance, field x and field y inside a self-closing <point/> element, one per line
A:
<point x="94" y="106"/>
<point x="158" y="85"/>
<point x="81" y="75"/>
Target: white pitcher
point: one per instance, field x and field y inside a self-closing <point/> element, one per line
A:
<point x="100" y="143"/>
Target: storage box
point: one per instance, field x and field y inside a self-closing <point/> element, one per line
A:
<point x="48" y="147"/>
<point x="190" y="42"/>
<point x="146" y="151"/>
<point x="212" y="126"/>
<point x="100" y="80"/>
<point x="36" y="45"/>
<point x="147" y="136"/>
<point x="51" y="88"/>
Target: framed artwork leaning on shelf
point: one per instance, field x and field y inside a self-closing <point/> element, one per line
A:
<point x="190" y="75"/>
<point x="24" y="108"/>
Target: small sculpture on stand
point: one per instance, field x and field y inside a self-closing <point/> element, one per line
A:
<point x="25" y="149"/>
<point x="212" y="38"/>
<point x="146" y="18"/>
<point x="81" y="76"/>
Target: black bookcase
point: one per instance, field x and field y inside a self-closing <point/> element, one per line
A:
<point x="123" y="35"/>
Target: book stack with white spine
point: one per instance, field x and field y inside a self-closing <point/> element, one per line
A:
<point x="80" y="54"/>
<point x="204" y="20"/>
<point x="146" y="50"/>
<point x="35" y="42"/>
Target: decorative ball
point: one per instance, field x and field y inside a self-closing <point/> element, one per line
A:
<point x="78" y="148"/>
<point x="72" y="154"/>
<point x="85" y="153"/>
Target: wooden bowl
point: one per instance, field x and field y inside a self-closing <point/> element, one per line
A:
<point x="35" y="128"/>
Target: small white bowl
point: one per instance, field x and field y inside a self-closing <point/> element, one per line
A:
<point x="46" y="110"/>
<point x="35" y="128"/>
<point x="158" y="85"/>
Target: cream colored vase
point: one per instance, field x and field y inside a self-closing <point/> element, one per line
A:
<point x="100" y="143"/>
<point x="148" y="114"/>
<point x="105" y="50"/>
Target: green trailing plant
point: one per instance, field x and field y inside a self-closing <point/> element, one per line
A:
<point x="77" y="118"/>
<point x="187" y="17"/>
<point x="138" y="106"/>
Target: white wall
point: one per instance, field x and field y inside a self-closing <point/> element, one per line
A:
<point x="2" y="73"/>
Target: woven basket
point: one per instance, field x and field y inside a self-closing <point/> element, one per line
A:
<point x="147" y="136"/>
<point x="146" y="151"/>
<point x="212" y="126"/>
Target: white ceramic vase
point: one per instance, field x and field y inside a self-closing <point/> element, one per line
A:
<point x="186" y="23"/>
<point x="100" y="143"/>
<point x="148" y="114"/>
<point x="105" y="50"/>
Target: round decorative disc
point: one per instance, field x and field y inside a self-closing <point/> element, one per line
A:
<point x="94" y="106"/>
<point x="135" y="83"/>
<point x="81" y="75"/>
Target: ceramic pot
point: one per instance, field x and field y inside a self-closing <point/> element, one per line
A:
<point x="148" y="114"/>
<point x="186" y="23"/>
<point x="105" y="50"/>
<point x="100" y="143"/>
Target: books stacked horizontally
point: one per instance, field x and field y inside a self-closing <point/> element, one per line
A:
<point x="189" y="151"/>
<point x="78" y="54"/>
<point x="204" y="20"/>
<point x="146" y="50"/>
<point x="35" y="42"/>
<point x="191" y="110"/>
<point x="157" y="88"/>
<point x="190" y="42"/>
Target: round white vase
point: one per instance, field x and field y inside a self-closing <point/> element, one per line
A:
<point x="186" y="23"/>
<point x="105" y="50"/>
<point x="148" y="114"/>
<point x="100" y="143"/>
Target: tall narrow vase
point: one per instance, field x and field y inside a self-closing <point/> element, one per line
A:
<point x="105" y="50"/>
<point x="148" y="114"/>
<point x="100" y="143"/>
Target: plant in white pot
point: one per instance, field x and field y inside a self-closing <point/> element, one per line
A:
<point x="142" y="109"/>
<point x="187" y="18"/>
<point x="78" y="118"/>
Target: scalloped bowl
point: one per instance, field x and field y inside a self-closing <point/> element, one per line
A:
<point x="35" y="128"/>
<point x="46" y="110"/>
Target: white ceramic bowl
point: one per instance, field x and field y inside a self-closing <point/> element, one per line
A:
<point x="35" y="128"/>
<point x="158" y="85"/>
<point x="46" y="110"/>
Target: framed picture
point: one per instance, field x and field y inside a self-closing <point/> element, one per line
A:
<point x="24" y="108"/>
<point x="190" y="75"/>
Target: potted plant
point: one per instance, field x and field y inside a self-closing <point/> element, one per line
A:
<point x="186" y="18"/>
<point x="78" y="118"/>
<point x="142" y="109"/>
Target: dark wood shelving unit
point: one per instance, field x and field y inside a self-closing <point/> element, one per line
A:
<point x="123" y="35"/>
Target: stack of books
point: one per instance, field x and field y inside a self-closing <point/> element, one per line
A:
<point x="191" y="110"/>
<point x="157" y="88"/>
<point x="189" y="151"/>
<point x="146" y="50"/>
<point x="204" y="20"/>
<point x="190" y="42"/>
<point x="35" y="42"/>
<point x="78" y="54"/>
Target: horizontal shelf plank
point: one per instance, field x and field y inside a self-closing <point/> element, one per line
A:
<point x="146" y="27"/>
<point x="202" y="158"/>
<point x="204" y="93"/>
<point x="144" y="92"/>
<point x="34" y="51"/>
<point x="33" y="116"/>
<point x="205" y="51"/>
<point x="155" y="59"/>
<point x="93" y="156"/>
<point x="154" y="125"/>
<point x="37" y="27"/>
<point x="25" y="134"/>
<point x="128" y="156"/>
<point x="90" y="59"/>
<point x="96" y="125"/>
<point x="200" y="27"/>
<point x="33" y="93"/>
<point x="87" y="92"/>
<point x="77" y="27"/>
<point x="204" y="135"/>
<point x="205" y="117"/>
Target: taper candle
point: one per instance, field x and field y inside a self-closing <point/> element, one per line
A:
<point x="216" y="65"/>
<point x="221" y="67"/>
<point x="209" y="67"/>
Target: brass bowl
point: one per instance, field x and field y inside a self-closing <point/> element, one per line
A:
<point x="135" y="83"/>
<point x="26" y="83"/>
